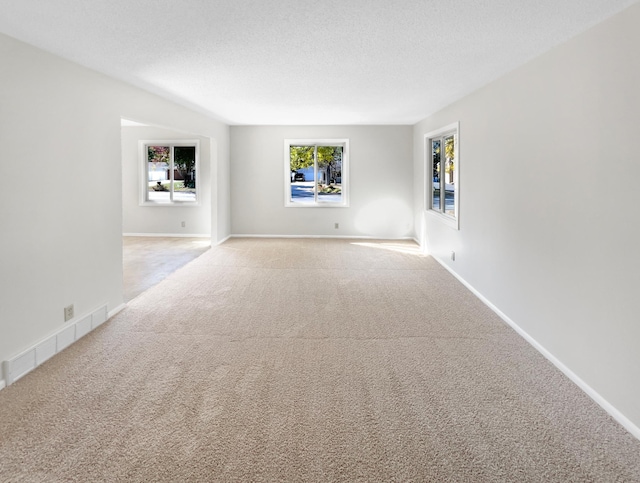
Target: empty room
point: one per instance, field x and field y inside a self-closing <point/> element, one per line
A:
<point x="412" y="232"/>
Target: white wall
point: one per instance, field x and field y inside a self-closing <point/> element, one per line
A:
<point x="137" y="219"/>
<point x="380" y="188"/>
<point x="61" y="201"/>
<point x="549" y="204"/>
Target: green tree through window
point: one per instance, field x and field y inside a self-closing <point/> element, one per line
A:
<point x="316" y="173"/>
<point x="171" y="169"/>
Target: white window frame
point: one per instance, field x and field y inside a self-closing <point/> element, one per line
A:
<point x="143" y="160"/>
<point x="344" y="173"/>
<point x="452" y="221"/>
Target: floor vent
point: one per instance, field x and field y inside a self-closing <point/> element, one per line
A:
<point x="46" y="350"/>
<point x="17" y="367"/>
<point x="83" y="327"/>
<point x="26" y="361"/>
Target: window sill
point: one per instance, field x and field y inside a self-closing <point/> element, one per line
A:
<point x="316" y="205"/>
<point x="170" y="203"/>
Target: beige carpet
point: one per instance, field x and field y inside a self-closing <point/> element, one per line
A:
<point x="307" y="360"/>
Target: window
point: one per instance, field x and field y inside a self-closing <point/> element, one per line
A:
<point x="442" y="169"/>
<point x="169" y="172"/>
<point x="316" y="172"/>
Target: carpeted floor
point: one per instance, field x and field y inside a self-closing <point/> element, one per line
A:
<point x="307" y="360"/>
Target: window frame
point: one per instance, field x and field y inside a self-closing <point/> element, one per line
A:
<point x="440" y="214"/>
<point x="344" y="182"/>
<point x="144" y="171"/>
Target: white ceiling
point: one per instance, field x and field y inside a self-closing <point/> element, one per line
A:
<point x="304" y="61"/>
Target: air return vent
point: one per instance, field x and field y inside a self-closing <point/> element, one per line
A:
<point x="26" y="361"/>
<point x="17" y="367"/>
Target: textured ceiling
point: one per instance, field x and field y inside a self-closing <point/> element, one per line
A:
<point x="304" y="61"/>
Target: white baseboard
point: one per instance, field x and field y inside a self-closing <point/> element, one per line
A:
<point x="119" y="308"/>
<point x="592" y="393"/>
<point x="347" y="237"/>
<point x="223" y="240"/>
<point x="27" y="360"/>
<point x="169" y="235"/>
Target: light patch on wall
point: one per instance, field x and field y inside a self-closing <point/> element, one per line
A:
<point x="385" y="218"/>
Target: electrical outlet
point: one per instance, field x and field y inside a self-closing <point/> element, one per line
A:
<point x="336" y="225"/>
<point x="184" y="223"/>
<point x="68" y="312"/>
